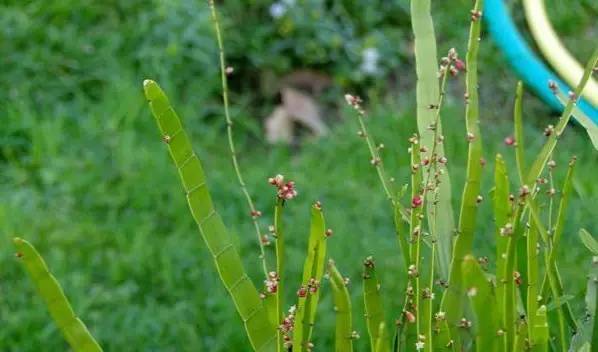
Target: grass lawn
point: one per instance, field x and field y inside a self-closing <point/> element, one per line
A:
<point x="89" y="182"/>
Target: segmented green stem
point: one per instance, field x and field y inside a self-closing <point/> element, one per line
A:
<point x="231" y="143"/>
<point x="532" y="284"/>
<point x="427" y="96"/>
<point x="261" y="333"/>
<point x="280" y="265"/>
<point x="73" y="329"/>
<point x="400" y="213"/>
<point x="452" y="302"/>
<point x="382" y="344"/>
<point x="374" y="312"/>
<point x="415" y="235"/>
<point x="518" y="119"/>
<point x="547" y="149"/>
<point x="541" y="333"/>
<point x="556" y="239"/>
<point x="313" y="268"/>
<point x="484" y="304"/>
<point x="502" y="215"/>
<point x="342" y="306"/>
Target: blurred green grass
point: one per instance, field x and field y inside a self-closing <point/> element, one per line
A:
<point x="85" y="177"/>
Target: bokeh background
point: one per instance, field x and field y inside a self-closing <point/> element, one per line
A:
<point x="85" y="177"/>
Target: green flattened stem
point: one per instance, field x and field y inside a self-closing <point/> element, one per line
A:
<point x="548" y="148"/>
<point x="556" y="240"/>
<point x="342" y="305"/>
<point x="502" y="215"/>
<point x="452" y="301"/>
<point x="428" y="91"/>
<point x="313" y="270"/>
<point x="518" y="119"/>
<point x="480" y="292"/>
<point x="46" y="285"/>
<point x="261" y="332"/>
<point x="541" y="333"/>
<point x="521" y="343"/>
<point x="532" y="277"/>
<point x="280" y="265"/>
<point x="382" y="344"/>
<point x="374" y="311"/>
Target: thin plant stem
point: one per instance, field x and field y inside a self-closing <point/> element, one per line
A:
<point x="229" y="131"/>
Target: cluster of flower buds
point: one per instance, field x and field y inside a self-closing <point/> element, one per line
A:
<point x="255" y="214"/>
<point x="416" y="201"/>
<point x="451" y="63"/>
<point x="265" y="239"/>
<point x="517" y="278"/>
<point x="369" y="262"/>
<point x="410" y="316"/>
<point x="549" y="130"/>
<point x="420" y="344"/>
<point x="464" y="323"/>
<point x="510" y="141"/>
<point x="427" y="293"/>
<point x="355" y="335"/>
<point x="506" y="230"/>
<point x="286" y="326"/>
<point x="475" y="15"/>
<point x="272" y="282"/>
<point x="355" y="102"/>
<point x="313" y="285"/>
<point x="440" y="316"/>
<point x="412" y="271"/>
<point x="286" y="191"/>
<point x="328" y="232"/>
<point x="524" y="191"/>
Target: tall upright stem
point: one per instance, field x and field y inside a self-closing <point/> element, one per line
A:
<point x="229" y="131"/>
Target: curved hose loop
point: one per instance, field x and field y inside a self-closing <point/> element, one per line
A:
<point x="532" y="71"/>
<point x="554" y="50"/>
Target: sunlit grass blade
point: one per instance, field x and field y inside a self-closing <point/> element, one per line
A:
<point x="374" y="311"/>
<point x="74" y="330"/>
<point x="479" y="290"/>
<point x="548" y="148"/>
<point x="261" y="333"/>
<point x="342" y="306"/>
<point x="313" y="270"/>
<point x="428" y="91"/>
<point x="452" y="301"/>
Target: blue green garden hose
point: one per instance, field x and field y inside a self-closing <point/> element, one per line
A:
<point x="532" y="71"/>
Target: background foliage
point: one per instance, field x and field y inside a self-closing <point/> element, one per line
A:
<point x="84" y="176"/>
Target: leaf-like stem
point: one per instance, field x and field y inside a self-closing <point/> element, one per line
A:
<point x="231" y="143"/>
<point x="452" y="302"/>
<point x="342" y="307"/>
<point x="73" y="329"/>
<point x="544" y="155"/>
<point x="260" y="329"/>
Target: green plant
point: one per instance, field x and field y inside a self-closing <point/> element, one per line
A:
<point x="419" y="326"/>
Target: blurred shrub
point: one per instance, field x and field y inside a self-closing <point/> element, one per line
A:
<point x="61" y="50"/>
